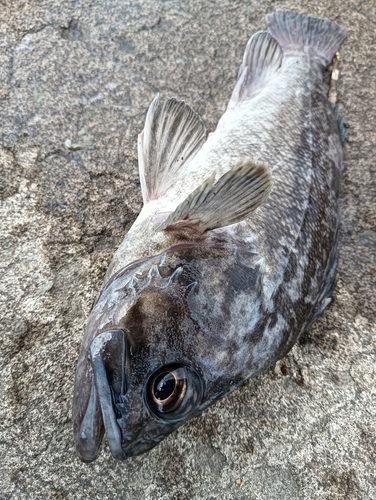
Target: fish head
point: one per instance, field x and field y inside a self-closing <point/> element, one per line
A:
<point x="153" y="354"/>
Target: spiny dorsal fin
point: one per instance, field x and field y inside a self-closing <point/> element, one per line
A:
<point x="262" y="58"/>
<point x="233" y="198"/>
<point x="172" y="135"/>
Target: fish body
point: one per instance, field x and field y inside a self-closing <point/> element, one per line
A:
<point x="234" y="253"/>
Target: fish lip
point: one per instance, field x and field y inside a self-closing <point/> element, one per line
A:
<point x="102" y="388"/>
<point x="87" y="441"/>
<point x="107" y="353"/>
<point x="86" y="452"/>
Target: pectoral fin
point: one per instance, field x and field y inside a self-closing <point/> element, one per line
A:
<point x="232" y="199"/>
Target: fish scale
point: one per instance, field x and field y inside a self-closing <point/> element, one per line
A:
<point x="234" y="253"/>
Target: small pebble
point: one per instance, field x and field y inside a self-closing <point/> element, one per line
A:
<point x="284" y="370"/>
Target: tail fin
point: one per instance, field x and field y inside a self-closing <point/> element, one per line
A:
<point x="296" y="33"/>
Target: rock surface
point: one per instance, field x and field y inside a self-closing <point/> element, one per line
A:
<point x="76" y="78"/>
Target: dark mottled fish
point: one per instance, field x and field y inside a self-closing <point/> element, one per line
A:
<point x="206" y="291"/>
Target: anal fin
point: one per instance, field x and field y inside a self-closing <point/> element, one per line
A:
<point x="232" y="199"/>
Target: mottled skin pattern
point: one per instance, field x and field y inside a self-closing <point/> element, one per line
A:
<point x="241" y="295"/>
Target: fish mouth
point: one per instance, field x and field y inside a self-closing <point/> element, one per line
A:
<point x="108" y="356"/>
<point x="108" y="386"/>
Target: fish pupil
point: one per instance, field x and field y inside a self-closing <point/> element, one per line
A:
<point x="164" y="386"/>
<point x="173" y="391"/>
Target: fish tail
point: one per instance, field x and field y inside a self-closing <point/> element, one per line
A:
<point x="297" y="33"/>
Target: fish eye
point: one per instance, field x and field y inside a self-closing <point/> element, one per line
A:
<point x="173" y="391"/>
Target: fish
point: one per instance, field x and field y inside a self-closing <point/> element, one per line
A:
<point x="234" y="253"/>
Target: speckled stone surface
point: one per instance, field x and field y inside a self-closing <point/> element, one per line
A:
<point x="76" y="78"/>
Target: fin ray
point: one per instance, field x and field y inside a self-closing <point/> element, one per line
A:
<point x="262" y="59"/>
<point x="297" y="33"/>
<point x="172" y="136"/>
<point x="232" y="199"/>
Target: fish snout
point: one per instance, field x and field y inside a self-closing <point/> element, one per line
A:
<point x="109" y="409"/>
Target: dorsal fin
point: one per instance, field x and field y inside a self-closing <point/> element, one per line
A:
<point x="262" y="59"/>
<point x="232" y="199"/>
<point x="172" y="135"/>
